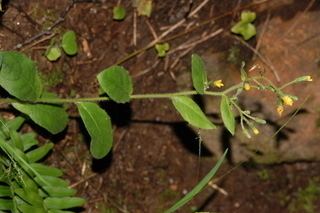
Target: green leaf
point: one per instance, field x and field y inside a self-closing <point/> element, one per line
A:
<point x="6" y="204"/>
<point x="191" y="112"/>
<point x="15" y="123"/>
<point x="119" y="13"/>
<point x="16" y="140"/>
<point x="51" y="117"/>
<point x="69" y="43"/>
<point x="199" y="187"/>
<point x="199" y="75"/>
<point x="53" y="53"/>
<point x="46" y="170"/>
<point x="243" y="73"/>
<point x="54" y="181"/>
<point x="63" y="203"/>
<point x="99" y="126"/>
<point x="117" y="83"/>
<point x="28" y="140"/>
<point x="5" y="191"/>
<point x="57" y="191"/>
<point x="39" y="153"/>
<point x="248" y="16"/>
<point x="244" y="27"/>
<point x="19" y="76"/>
<point x="29" y="196"/>
<point x="162" y="49"/>
<point x="227" y="114"/>
<point x="248" y="31"/>
<point x="26" y="208"/>
<point x="59" y="211"/>
<point x="144" y="7"/>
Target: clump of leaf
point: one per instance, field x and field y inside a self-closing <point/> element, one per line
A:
<point x="244" y="27"/>
<point x="162" y="49"/>
<point x="119" y="13"/>
<point x="19" y="77"/>
<point x="26" y="184"/>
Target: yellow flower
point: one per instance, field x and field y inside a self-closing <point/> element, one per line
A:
<point x="218" y="83"/>
<point x="246" y="86"/>
<point x="255" y="131"/>
<point x="287" y="100"/>
<point x="280" y="110"/>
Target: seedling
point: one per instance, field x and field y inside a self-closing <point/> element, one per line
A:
<point x="68" y="45"/>
<point x="244" y="27"/>
<point x="162" y="49"/>
<point x="46" y="109"/>
<point x="119" y="13"/>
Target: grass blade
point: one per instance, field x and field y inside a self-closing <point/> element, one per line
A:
<point x="198" y="187"/>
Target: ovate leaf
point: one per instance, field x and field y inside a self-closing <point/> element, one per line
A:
<point x="199" y="75"/>
<point x="191" y="112"/>
<point x="69" y="43"/>
<point x="227" y="114"/>
<point x="119" y="13"/>
<point x="19" y="76"/>
<point x="117" y="83"/>
<point x="51" y="117"/>
<point x="98" y="124"/>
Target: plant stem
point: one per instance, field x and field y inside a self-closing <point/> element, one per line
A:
<point x="137" y="96"/>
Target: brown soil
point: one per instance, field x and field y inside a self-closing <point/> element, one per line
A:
<point x="155" y="159"/>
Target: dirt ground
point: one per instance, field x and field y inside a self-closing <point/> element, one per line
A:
<point x="155" y="159"/>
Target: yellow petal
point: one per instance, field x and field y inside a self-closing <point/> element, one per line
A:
<point x="218" y="83"/>
<point x="287" y="100"/>
<point x="246" y="86"/>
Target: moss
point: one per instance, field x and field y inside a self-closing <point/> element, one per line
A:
<point x="103" y="208"/>
<point x="234" y="55"/>
<point x="305" y="198"/>
<point x="53" y="78"/>
<point x="263" y="175"/>
<point x="166" y="198"/>
<point x="45" y="17"/>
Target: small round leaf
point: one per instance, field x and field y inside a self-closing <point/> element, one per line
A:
<point x="119" y="13"/>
